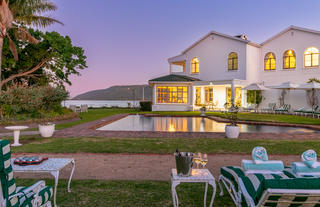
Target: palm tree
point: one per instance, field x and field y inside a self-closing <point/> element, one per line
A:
<point x="19" y="14"/>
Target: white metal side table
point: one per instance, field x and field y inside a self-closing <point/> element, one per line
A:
<point x="197" y="176"/>
<point x="52" y="166"/>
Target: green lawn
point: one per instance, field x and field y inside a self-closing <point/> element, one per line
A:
<point x="93" y="193"/>
<point x="35" y="144"/>
<point x="95" y="114"/>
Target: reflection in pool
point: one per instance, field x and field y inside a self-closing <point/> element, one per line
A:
<point x="188" y="124"/>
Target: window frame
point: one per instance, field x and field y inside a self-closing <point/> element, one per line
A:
<point x="266" y="58"/>
<point x="208" y="94"/>
<point x="285" y="56"/>
<point x="233" y="66"/>
<point x="166" y="96"/>
<point x="311" y="58"/>
<point x="197" y="100"/>
<point x="195" y="65"/>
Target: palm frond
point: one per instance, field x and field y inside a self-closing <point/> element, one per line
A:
<point x="6" y="17"/>
<point x="38" y="21"/>
<point x="13" y="48"/>
<point x="29" y="12"/>
<point x="24" y="35"/>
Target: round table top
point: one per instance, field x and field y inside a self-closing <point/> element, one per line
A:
<point x="16" y="127"/>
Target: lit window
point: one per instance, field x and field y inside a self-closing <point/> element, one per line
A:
<point x="195" y="65"/>
<point x="270" y="61"/>
<point x="198" y="96"/>
<point x="237" y="98"/>
<point x="311" y="57"/>
<point x="289" y="59"/>
<point x="233" y="61"/>
<point x="208" y="94"/>
<point x="174" y="94"/>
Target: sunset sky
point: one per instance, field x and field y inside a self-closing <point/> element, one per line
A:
<point x="129" y="41"/>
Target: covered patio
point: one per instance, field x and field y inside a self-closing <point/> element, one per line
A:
<point x="184" y="93"/>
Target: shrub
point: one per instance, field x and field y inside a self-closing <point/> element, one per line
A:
<point x="32" y="100"/>
<point x="145" y="105"/>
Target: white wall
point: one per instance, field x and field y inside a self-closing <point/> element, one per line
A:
<point x="253" y="63"/>
<point x="298" y="41"/>
<point x="213" y="58"/>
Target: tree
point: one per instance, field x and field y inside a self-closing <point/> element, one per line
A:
<point x="52" y="60"/>
<point x="21" y="14"/>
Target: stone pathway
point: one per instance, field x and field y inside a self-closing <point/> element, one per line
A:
<point x="139" y="166"/>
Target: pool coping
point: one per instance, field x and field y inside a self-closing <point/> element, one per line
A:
<point x="89" y="130"/>
<point x="223" y="120"/>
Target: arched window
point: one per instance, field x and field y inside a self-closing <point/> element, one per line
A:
<point x="311" y="57"/>
<point x="270" y="61"/>
<point x="195" y="65"/>
<point x="289" y="59"/>
<point x="233" y="61"/>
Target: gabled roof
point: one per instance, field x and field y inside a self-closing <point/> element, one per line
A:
<point x="174" y="78"/>
<point x="292" y="27"/>
<point x="215" y="33"/>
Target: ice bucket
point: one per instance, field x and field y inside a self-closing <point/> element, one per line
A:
<point x="184" y="163"/>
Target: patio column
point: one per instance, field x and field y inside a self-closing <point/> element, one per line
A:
<point x="154" y="94"/>
<point x="232" y="92"/>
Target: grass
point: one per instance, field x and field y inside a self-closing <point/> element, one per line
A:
<point x="35" y="144"/>
<point x="92" y="193"/>
<point x="95" y="114"/>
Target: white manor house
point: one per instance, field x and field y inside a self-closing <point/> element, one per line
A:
<point x="213" y="70"/>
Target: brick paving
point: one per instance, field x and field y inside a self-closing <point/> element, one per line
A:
<point x="89" y="130"/>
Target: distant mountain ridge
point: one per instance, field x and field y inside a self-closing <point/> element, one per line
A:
<point x="126" y="92"/>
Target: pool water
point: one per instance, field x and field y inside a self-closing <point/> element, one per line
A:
<point x="189" y="124"/>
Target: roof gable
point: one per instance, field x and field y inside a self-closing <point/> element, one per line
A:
<point x="174" y="78"/>
<point x="292" y="27"/>
<point x="215" y="33"/>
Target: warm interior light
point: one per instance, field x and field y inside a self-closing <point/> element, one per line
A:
<point x="171" y="128"/>
<point x="290" y="52"/>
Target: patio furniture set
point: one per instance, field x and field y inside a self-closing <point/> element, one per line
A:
<point x="261" y="182"/>
<point x="80" y="109"/>
<point x="37" y="195"/>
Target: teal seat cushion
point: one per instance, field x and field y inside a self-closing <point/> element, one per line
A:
<point x="293" y="183"/>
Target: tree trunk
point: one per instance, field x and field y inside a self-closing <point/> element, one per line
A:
<point x="1" y="46"/>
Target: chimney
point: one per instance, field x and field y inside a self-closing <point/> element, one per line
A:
<point x="242" y="36"/>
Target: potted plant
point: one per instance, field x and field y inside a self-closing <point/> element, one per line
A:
<point x="232" y="129"/>
<point x="46" y="129"/>
<point x="203" y="110"/>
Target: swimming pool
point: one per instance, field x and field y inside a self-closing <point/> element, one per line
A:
<point x="189" y="124"/>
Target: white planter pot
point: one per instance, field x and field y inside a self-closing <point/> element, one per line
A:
<point x="232" y="131"/>
<point x="46" y="130"/>
<point x="203" y="112"/>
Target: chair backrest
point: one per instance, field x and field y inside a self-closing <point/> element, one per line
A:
<point x="73" y="108"/>
<point x="8" y="184"/>
<point x="272" y="106"/>
<point x="290" y="197"/>
<point x="84" y="108"/>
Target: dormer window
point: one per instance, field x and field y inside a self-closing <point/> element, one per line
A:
<point x="195" y="65"/>
<point x="233" y="61"/>
<point x="270" y="61"/>
<point x="311" y="57"/>
<point x="289" y="59"/>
